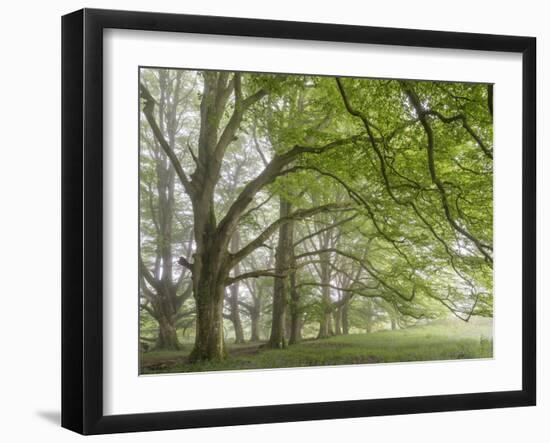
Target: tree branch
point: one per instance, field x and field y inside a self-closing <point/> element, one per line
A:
<point x="327" y="228"/>
<point x="240" y="107"/>
<point x="267" y="176"/>
<point x="466" y="126"/>
<point x="255" y="274"/>
<point x="148" y="112"/>
<point x="147" y="275"/>
<point x="184" y="262"/>
<point x="296" y="215"/>
<point x="149" y="310"/>
<point x="433" y="173"/>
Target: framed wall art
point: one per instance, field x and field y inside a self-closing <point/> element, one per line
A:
<point x="269" y="221"/>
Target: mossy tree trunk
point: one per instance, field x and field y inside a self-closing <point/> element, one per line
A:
<point x="209" y="340"/>
<point x="277" y="337"/>
<point x="167" y="335"/>
<point x="295" y="308"/>
<point x="210" y="272"/>
<point x="234" y="307"/>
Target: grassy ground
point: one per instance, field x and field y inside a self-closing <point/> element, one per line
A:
<point x="441" y="341"/>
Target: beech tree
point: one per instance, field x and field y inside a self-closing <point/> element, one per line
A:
<point x="163" y="289"/>
<point x="212" y="260"/>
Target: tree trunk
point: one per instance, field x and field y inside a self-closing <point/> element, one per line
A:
<point x="167" y="338"/>
<point x="287" y="325"/>
<point x="338" y="321"/>
<point x="209" y="276"/>
<point x="295" y="324"/>
<point x="234" y="296"/>
<point x="326" y="303"/>
<point x="235" y="316"/>
<point x="295" y="309"/>
<point x="209" y="342"/>
<point x="255" y="325"/>
<point x="325" y="326"/>
<point x="393" y="324"/>
<point x="369" y="315"/>
<point x="295" y="329"/>
<point x="345" y="318"/>
<point x="280" y="289"/>
<point x="277" y="336"/>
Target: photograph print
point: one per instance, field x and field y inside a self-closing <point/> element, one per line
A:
<point x="296" y="220"/>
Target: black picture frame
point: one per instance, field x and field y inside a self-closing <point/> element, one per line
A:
<point x="82" y="218"/>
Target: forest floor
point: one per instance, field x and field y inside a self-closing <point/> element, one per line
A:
<point x="439" y="341"/>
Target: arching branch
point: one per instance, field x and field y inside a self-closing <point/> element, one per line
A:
<point x="296" y="215"/>
<point x="433" y="173"/>
<point x="148" y="109"/>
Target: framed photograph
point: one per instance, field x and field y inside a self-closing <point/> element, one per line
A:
<point x="269" y="221"/>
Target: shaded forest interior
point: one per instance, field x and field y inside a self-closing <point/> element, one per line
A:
<point x="295" y="220"/>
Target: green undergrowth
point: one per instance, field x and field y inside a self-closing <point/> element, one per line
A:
<point x="445" y="340"/>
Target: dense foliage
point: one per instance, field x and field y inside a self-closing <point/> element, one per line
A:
<point x="280" y="207"/>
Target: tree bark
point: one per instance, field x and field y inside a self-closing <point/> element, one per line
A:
<point x="254" y="310"/>
<point x="209" y="275"/>
<point x="368" y="316"/>
<point x="345" y="319"/>
<point x="255" y="325"/>
<point x="167" y="335"/>
<point x="325" y="323"/>
<point x="209" y="340"/>
<point x="277" y="338"/>
<point x="235" y="316"/>
<point x="295" y="309"/>
<point x="234" y="296"/>
<point x="337" y="314"/>
<point x="295" y="329"/>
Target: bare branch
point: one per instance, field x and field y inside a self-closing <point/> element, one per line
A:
<point x="184" y="262"/>
<point x="327" y="228"/>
